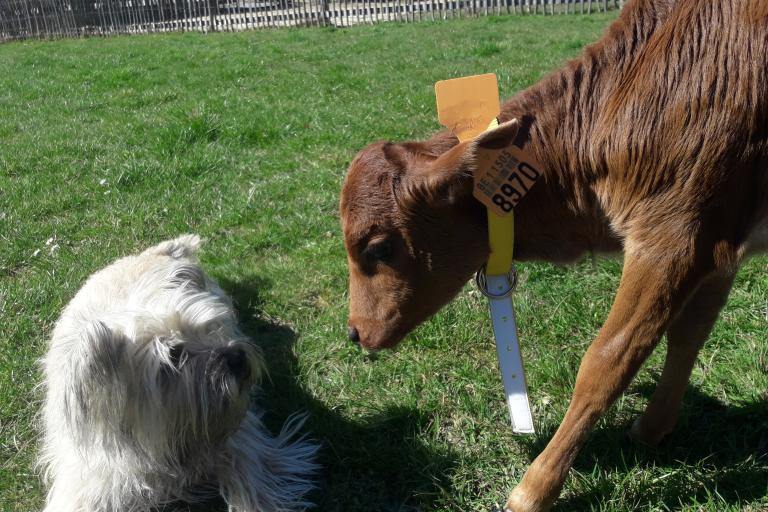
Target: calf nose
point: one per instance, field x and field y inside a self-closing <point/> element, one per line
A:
<point x="354" y="336"/>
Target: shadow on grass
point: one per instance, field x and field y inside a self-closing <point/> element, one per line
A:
<point x="381" y="464"/>
<point x="715" y="449"/>
<point x="377" y="464"/>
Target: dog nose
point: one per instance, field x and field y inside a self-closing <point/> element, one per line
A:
<point x="354" y="336"/>
<point x="237" y="363"/>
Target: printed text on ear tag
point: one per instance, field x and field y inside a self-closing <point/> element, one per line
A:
<point x="503" y="177"/>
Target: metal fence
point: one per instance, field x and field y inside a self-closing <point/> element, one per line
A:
<point x="21" y="19"/>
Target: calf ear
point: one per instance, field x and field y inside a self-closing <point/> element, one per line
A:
<point x="449" y="177"/>
<point x="500" y="137"/>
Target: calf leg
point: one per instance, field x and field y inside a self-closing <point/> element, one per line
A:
<point x="650" y="293"/>
<point x="685" y="336"/>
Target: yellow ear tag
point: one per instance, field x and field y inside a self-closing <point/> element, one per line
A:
<point x="467" y="105"/>
<point x="503" y="176"/>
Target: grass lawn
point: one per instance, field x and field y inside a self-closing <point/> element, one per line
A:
<point x="110" y="145"/>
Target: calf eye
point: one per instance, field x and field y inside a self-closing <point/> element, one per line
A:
<point x="379" y="251"/>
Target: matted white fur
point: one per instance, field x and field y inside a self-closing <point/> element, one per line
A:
<point x="147" y="383"/>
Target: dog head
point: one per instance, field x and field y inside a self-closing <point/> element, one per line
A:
<point x="160" y="378"/>
<point x="413" y="232"/>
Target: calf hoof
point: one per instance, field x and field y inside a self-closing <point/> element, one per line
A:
<point x="520" y="501"/>
<point x="646" y="435"/>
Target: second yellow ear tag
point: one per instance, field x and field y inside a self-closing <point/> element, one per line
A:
<point x="467" y="105"/>
<point x="503" y="176"/>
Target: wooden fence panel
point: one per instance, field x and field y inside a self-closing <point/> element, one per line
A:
<point x="22" y="19"/>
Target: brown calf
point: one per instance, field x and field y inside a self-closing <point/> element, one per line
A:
<point x="653" y="142"/>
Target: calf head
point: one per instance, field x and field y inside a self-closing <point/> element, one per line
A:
<point x="413" y="232"/>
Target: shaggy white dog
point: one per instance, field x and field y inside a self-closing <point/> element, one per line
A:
<point x="147" y="382"/>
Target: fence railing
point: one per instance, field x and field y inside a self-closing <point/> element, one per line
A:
<point x="20" y="19"/>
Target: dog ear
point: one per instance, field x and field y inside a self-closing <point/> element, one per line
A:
<point x="97" y="387"/>
<point x="442" y="181"/>
<point x="182" y="247"/>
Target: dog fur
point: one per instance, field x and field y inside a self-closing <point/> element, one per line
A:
<point x="147" y="384"/>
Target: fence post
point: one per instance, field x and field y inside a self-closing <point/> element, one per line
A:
<point x="324" y="9"/>
<point x="213" y="10"/>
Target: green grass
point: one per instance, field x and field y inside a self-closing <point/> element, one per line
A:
<point x="109" y="145"/>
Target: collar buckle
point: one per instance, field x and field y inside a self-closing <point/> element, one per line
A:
<point x="497" y="294"/>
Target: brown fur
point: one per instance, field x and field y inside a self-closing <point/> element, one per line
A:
<point x="654" y="142"/>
